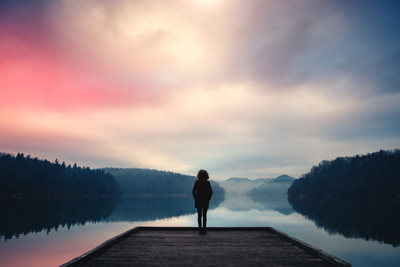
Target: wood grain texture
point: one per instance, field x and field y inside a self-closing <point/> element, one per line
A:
<point x="220" y="247"/>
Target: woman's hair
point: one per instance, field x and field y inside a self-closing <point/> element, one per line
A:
<point x="203" y="174"/>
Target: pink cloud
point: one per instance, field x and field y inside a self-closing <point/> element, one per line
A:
<point x="31" y="78"/>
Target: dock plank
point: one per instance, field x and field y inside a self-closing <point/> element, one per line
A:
<point x="222" y="246"/>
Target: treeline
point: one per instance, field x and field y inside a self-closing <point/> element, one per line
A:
<point x="29" y="176"/>
<point x="136" y="181"/>
<point x="372" y="175"/>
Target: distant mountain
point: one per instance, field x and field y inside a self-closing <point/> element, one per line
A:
<point x="238" y="180"/>
<point x="137" y="181"/>
<point x="372" y="175"/>
<point x="241" y="185"/>
<point x="277" y="186"/>
<point x="244" y="185"/>
<point x="283" y="179"/>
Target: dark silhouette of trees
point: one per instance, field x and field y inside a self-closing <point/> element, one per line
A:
<point x="29" y="176"/>
<point x="136" y="181"/>
<point x="372" y="175"/>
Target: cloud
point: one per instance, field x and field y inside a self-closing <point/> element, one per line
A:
<point x="145" y="39"/>
<point x="291" y="43"/>
<point x="251" y="89"/>
<point x="274" y="42"/>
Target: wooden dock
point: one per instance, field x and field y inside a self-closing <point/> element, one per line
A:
<point x="183" y="246"/>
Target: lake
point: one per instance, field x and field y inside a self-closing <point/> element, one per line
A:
<point x="50" y="232"/>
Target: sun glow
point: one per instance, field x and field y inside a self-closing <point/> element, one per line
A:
<point x="207" y="3"/>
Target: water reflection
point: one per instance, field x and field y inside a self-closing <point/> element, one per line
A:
<point x="243" y="202"/>
<point x="367" y="218"/>
<point x="278" y="203"/>
<point x="24" y="216"/>
<point x="134" y="209"/>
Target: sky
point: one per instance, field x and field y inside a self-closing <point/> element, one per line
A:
<point x="254" y="88"/>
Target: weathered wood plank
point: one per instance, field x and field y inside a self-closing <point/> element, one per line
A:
<point x="222" y="246"/>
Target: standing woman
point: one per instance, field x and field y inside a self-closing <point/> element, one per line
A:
<point x="202" y="193"/>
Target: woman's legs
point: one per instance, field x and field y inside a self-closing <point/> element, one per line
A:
<point x="199" y="211"/>
<point x="204" y="218"/>
<point x="202" y="212"/>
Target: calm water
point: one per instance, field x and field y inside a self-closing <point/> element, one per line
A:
<point x="52" y="232"/>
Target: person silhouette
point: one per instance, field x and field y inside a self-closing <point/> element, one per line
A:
<point x="202" y="193"/>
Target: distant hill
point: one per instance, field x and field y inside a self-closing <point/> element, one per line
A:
<point x="137" y="181"/>
<point x="246" y="186"/>
<point x="372" y="175"/>
<point x="283" y="179"/>
<point x="241" y="185"/>
<point x="277" y="186"/>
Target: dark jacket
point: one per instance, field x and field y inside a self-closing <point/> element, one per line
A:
<point x="202" y="193"/>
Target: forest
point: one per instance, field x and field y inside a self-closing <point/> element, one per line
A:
<point x="27" y="176"/>
<point x="372" y="175"/>
<point x="136" y="181"/>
